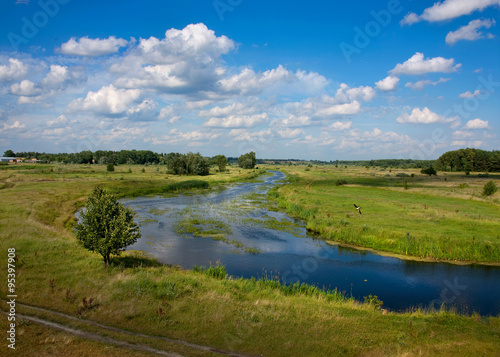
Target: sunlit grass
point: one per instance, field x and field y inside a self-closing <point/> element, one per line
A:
<point x="437" y="218"/>
<point x="250" y="316"/>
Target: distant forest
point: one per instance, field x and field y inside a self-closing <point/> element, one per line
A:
<point x="468" y="160"/>
<point x="459" y="160"/>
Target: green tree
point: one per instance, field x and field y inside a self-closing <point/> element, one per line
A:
<point x="221" y="162"/>
<point x="9" y="153"/>
<point x="489" y="188"/>
<point x="106" y="226"/>
<point x="201" y="165"/>
<point x="247" y="161"/>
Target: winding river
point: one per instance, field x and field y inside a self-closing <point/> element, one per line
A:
<point x="253" y="241"/>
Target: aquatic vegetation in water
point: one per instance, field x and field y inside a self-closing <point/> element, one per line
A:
<point x="275" y="224"/>
<point x="158" y="212"/>
<point x="147" y="221"/>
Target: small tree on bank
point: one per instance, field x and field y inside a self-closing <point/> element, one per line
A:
<point x="106" y="226"/>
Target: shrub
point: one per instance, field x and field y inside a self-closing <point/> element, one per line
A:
<point x="110" y="167"/>
<point x="373" y="300"/>
<point x="341" y="182"/>
<point x="402" y="174"/>
<point x="429" y="171"/>
<point x="489" y="188"/>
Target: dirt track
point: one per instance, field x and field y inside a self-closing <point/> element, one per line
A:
<point x="115" y="341"/>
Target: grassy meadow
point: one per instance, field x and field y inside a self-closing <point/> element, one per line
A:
<point x="137" y="294"/>
<point x="442" y="217"/>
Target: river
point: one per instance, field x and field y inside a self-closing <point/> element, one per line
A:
<point x="251" y="240"/>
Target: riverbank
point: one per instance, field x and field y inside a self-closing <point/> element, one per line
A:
<point x="140" y="295"/>
<point x="443" y="218"/>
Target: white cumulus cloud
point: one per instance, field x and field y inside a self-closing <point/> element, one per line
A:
<point x="418" y="65"/>
<point x="422" y="116"/>
<point x="477" y="124"/>
<point x="12" y="71"/>
<point x="448" y="9"/>
<point x="106" y="101"/>
<point x="470" y="31"/>
<point x="237" y="121"/>
<point x="341" y="109"/>
<point x="389" y="83"/>
<point x="25" y="88"/>
<point x="89" y="47"/>
<point x="470" y="94"/>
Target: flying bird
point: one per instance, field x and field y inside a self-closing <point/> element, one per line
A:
<point x="358" y="208"/>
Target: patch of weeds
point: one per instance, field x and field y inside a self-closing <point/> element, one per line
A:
<point x="158" y="212"/>
<point x="147" y="221"/>
<point x="218" y="271"/>
<point x="340" y="182"/>
<point x="374" y="301"/>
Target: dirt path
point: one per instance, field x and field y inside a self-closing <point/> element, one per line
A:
<point x="114" y="341"/>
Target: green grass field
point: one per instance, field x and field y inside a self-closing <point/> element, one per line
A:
<point x="435" y="218"/>
<point x="140" y="295"/>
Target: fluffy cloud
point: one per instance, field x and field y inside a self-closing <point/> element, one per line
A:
<point x="91" y="47"/>
<point x="418" y="65"/>
<point x="419" y="85"/>
<point x="389" y="83"/>
<point x="108" y="101"/>
<point x="25" y="88"/>
<point x="347" y="94"/>
<point x="338" y="126"/>
<point x="15" y="126"/>
<point x="341" y="109"/>
<point x="249" y="82"/>
<point x="422" y="116"/>
<point x="477" y="124"/>
<point x="293" y="120"/>
<point x="237" y="121"/>
<point x="290" y="133"/>
<point x="232" y="109"/>
<point x="185" y="61"/>
<point x="14" y="70"/>
<point x="470" y="31"/>
<point x="470" y="94"/>
<point x="447" y="10"/>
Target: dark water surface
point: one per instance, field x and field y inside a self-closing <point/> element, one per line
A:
<point x="294" y="255"/>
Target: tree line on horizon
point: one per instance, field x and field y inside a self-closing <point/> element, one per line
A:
<point x="468" y="160"/>
<point x="465" y="160"/>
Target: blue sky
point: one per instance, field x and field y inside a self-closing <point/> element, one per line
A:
<point x="308" y="80"/>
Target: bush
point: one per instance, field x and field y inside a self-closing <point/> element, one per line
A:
<point x="341" y="182"/>
<point x="429" y="171"/>
<point x="110" y="167"/>
<point x="489" y="188"/>
<point x="373" y="300"/>
<point x="402" y="174"/>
